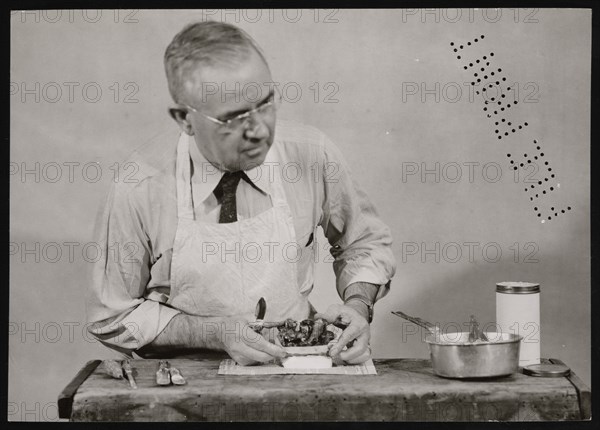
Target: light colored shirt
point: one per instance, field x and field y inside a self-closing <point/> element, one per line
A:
<point x="136" y="227"/>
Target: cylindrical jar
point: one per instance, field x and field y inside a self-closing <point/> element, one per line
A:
<point x="518" y="312"/>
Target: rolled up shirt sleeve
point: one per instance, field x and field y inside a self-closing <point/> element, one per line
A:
<point x="121" y="314"/>
<point x="361" y="242"/>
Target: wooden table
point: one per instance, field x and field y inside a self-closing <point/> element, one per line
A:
<point x="403" y="390"/>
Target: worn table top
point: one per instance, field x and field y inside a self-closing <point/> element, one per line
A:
<point x="403" y="390"/>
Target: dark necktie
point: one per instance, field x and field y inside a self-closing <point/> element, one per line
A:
<point x="225" y="192"/>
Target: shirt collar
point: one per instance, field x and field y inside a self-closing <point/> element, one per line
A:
<point x="262" y="176"/>
<point x="206" y="177"/>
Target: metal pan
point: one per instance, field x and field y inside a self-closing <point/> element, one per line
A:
<point x="453" y="356"/>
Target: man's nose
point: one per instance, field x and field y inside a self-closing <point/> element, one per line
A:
<point x="257" y="128"/>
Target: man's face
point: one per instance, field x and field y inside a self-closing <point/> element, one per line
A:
<point x="223" y="92"/>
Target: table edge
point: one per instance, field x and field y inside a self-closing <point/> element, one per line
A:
<point x="584" y="394"/>
<point x="65" y="398"/>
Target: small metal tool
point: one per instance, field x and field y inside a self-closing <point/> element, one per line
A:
<point x="176" y="376"/>
<point x="129" y="372"/>
<point x="475" y="333"/>
<point x="113" y="368"/>
<point x="163" y="376"/>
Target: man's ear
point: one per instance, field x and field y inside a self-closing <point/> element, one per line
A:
<point x="180" y="116"/>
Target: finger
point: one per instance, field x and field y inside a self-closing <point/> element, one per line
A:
<point x="365" y="356"/>
<point x="242" y="361"/>
<point x="358" y="349"/>
<point x="243" y="353"/>
<point x="245" y="356"/>
<point x="337" y="360"/>
<point x="349" y="334"/>
<point x="261" y="344"/>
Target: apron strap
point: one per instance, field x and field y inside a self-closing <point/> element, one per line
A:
<point x="183" y="178"/>
<point x="278" y="197"/>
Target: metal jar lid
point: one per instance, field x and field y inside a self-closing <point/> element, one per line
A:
<point x="547" y="370"/>
<point x="517" y="288"/>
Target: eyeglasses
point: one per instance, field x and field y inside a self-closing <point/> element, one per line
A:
<point x="268" y="106"/>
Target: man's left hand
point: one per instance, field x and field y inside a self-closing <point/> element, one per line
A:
<point x="357" y="330"/>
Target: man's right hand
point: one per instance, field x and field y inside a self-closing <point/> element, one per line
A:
<point x="231" y="334"/>
<point x="245" y="345"/>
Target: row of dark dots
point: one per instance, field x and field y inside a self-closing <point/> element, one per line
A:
<point x="535" y="157"/>
<point x="557" y="213"/>
<point x="499" y="102"/>
<point x="484" y="89"/>
<point x="539" y="182"/>
<point x="491" y="54"/>
<point x="487" y="63"/>
<point x="468" y="43"/>
<point x="492" y="86"/>
<point x="494" y="98"/>
<point x="477" y="61"/>
<point x="552" y="175"/>
<point x="501" y="109"/>
<point x="525" y="124"/>
<point x="461" y="47"/>
<point x="478" y="80"/>
<point x="537" y="196"/>
<point x="492" y="73"/>
<point x="549" y="169"/>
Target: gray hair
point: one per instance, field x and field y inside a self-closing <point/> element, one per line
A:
<point x="208" y="43"/>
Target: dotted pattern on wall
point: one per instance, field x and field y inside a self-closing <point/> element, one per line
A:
<point x="534" y="168"/>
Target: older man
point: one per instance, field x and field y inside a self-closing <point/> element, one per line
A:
<point x="208" y="226"/>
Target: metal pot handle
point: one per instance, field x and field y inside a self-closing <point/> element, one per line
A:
<point x="433" y="329"/>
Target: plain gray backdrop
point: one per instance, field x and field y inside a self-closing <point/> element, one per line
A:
<point x="88" y="87"/>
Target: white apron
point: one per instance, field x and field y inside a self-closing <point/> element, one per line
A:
<point x="224" y="269"/>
